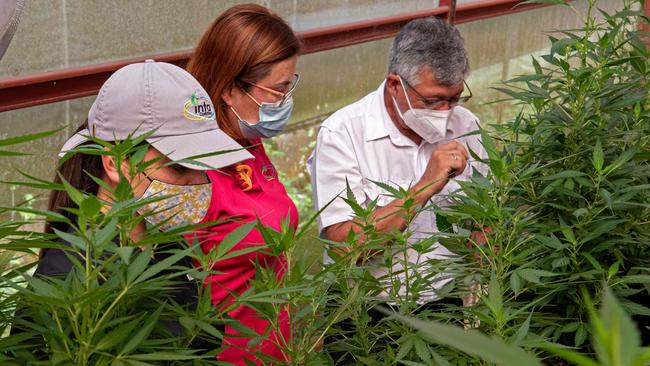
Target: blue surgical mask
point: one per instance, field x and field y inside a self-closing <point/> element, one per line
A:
<point x="273" y="119"/>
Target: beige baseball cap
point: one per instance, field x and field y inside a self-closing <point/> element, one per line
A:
<point x="163" y="98"/>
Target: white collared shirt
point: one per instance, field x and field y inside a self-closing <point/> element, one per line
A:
<point x="361" y="144"/>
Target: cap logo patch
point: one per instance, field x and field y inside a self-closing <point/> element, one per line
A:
<point x="198" y="108"/>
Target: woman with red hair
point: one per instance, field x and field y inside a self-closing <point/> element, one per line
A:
<point x="246" y="61"/>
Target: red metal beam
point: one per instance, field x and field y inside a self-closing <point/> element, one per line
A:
<point x="59" y="85"/>
<point x="56" y="86"/>
<point x="343" y="35"/>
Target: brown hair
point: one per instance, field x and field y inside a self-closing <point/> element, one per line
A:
<point x="77" y="171"/>
<point x="241" y="46"/>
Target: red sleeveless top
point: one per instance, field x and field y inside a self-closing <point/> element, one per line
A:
<point x="241" y="200"/>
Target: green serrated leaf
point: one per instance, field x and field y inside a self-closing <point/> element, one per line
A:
<point x="495" y="297"/>
<point x="564" y="174"/>
<point x="626" y="156"/>
<point x="622" y="342"/>
<point x="142" y="334"/>
<point x="515" y="283"/>
<point x="521" y="333"/>
<point x="598" y="157"/>
<point x="234" y="238"/>
<point x="27" y="138"/>
<point x="474" y="343"/>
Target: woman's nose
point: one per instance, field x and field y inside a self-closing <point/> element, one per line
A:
<point x="197" y="177"/>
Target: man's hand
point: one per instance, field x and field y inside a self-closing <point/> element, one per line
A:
<point x="446" y="162"/>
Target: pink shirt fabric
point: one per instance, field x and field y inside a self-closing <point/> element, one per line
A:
<point x="267" y="200"/>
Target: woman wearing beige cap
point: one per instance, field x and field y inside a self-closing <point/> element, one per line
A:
<point x="246" y="60"/>
<point x="168" y="106"/>
<point x="164" y="105"/>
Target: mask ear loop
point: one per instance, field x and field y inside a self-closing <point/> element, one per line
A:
<point x="262" y="104"/>
<point x="401" y="115"/>
<point x="149" y="179"/>
<point x="236" y="114"/>
<point x="408" y="101"/>
<point x="147" y="176"/>
<point x="250" y="96"/>
<point x="239" y="117"/>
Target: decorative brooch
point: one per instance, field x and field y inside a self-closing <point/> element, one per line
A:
<point x="244" y="173"/>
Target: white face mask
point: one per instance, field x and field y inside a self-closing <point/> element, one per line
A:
<point x="429" y="124"/>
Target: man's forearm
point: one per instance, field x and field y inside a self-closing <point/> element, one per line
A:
<point x="386" y="219"/>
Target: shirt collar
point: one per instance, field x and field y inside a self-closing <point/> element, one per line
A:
<point x="386" y="127"/>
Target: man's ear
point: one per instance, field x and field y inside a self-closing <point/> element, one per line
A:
<point x="110" y="169"/>
<point x="393" y="84"/>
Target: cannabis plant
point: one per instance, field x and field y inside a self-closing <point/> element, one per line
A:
<point x="564" y="210"/>
<point x="565" y="207"/>
<point x="120" y="303"/>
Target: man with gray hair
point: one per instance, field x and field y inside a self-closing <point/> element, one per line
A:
<point x="410" y="133"/>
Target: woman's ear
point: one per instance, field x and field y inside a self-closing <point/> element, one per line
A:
<point x="111" y="172"/>
<point x="227" y="95"/>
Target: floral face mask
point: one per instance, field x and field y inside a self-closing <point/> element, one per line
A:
<point x="188" y="204"/>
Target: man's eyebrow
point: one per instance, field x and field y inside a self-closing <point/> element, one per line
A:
<point x="438" y="96"/>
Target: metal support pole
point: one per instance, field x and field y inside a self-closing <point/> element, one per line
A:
<point x="644" y="25"/>
<point x="451" y="18"/>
